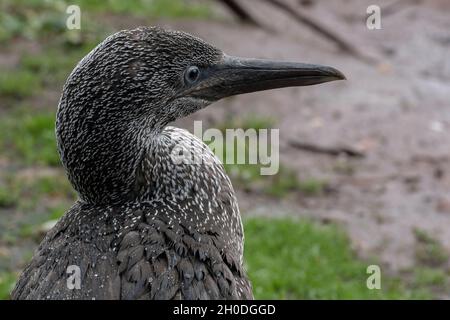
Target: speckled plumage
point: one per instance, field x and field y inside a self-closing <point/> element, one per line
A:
<point x="145" y="227"/>
<point x="149" y="225"/>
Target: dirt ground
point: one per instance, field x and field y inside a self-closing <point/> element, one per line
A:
<point x="396" y="111"/>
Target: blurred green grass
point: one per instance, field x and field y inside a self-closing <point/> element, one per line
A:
<point x="29" y="137"/>
<point x="149" y="8"/>
<point x="37" y="18"/>
<point x="7" y="281"/>
<point x="300" y="259"/>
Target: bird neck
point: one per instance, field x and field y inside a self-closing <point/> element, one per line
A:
<point x="102" y="161"/>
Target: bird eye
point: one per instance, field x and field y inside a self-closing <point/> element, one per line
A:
<point x="192" y="74"/>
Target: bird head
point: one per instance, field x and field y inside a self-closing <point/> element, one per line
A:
<point x="163" y="75"/>
<point x="137" y="81"/>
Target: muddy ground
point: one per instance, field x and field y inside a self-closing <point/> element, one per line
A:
<point x="395" y="111"/>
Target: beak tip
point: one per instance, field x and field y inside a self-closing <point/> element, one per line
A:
<point x="342" y="76"/>
<point x="338" y="75"/>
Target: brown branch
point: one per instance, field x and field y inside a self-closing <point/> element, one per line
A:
<point x="343" y="44"/>
<point x="398" y="5"/>
<point x="332" y="151"/>
<point x="240" y="12"/>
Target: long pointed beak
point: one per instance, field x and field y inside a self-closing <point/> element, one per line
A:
<point x="233" y="76"/>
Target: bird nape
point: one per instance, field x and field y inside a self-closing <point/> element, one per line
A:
<point x="146" y="227"/>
